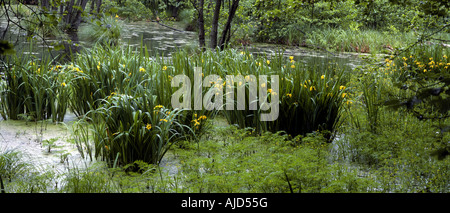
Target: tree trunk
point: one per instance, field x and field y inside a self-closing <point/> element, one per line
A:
<point x="173" y="9"/>
<point x="99" y="4"/>
<point x="61" y="9"/>
<point x="2" y="187"/>
<point x="225" y="32"/>
<point x="91" y="10"/>
<point x="215" y="25"/>
<point x="45" y="4"/>
<point x="313" y="4"/>
<point x="67" y="12"/>
<point x="201" y="25"/>
<point x="72" y="19"/>
<point x="73" y="14"/>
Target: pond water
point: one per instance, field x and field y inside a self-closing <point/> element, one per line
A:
<point x="157" y="38"/>
<point x="163" y="41"/>
<point x="306" y="55"/>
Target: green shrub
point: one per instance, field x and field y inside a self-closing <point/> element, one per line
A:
<point x="134" y="10"/>
<point x="42" y="24"/>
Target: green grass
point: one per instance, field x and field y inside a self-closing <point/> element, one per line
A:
<point x="33" y="88"/>
<point x="11" y="165"/>
<point x="362" y="41"/>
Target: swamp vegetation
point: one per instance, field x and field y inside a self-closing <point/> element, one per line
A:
<point x="364" y="97"/>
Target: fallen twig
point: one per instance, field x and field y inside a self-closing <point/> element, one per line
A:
<point x="169" y="27"/>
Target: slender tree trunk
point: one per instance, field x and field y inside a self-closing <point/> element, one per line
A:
<point x="72" y="19"/>
<point x="91" y="9"/>
<point x="2" y="187"/>
<point x="201" y="25"/>
<point x="45" y="4"/>
<point x="173" y="9"/>
<point x="312" y="11"/>
<point x="67" y="12"/>
<point x="73" y="14"/>
<point x="99" y="4"/>
<point x="61" y="9"/>
<point x="54" y="5"/>
<point x="225" y="32"/>
<point x="215" y="25"/>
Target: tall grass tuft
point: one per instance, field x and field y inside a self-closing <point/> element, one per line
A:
<point x="126" y="96"/>
<point x="35" y="89"/>
<point x="310" y="95"/>
<point x="128" y="129"/>
<point x="101" y="71"/>
<point x="362" y="41"/>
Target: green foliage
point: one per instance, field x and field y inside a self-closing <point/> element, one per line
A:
<point x="424" y="76"/>
<point x="229" y="159"/>
<point x="371" y="92"/>
<point x="311" y="98"/>
<point x="6" y="48"/>
<point x="100" y="72"/>
<point x="43" y="24"/>
<point x="405" y="139"/>
<point x="337" y="25"/>
<point x="421" y="85"/>
<point x="35" y="88"/>
<point x="363" y="41"/>
<point x="381" y="128"/>
<point x="107" y="30"/>
<point x="270" y="163"/>
<point x="128" y="129"/>
<point x="134" y="10"/>
<point x="94" y="179"/>
<point x="399" y="154"/>
<point x="11" y="164"/>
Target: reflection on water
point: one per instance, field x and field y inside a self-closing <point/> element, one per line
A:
<point x="161" y="40"/>
<point x="158" y="39"/>
<point x="305" y="55"/>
